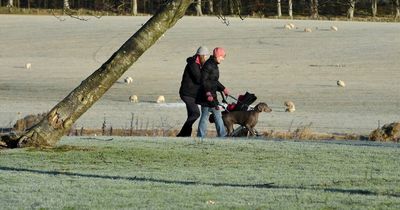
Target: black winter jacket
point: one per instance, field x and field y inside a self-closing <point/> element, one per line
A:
<point x="209" y="83"/>
<point x="191" y="78"/>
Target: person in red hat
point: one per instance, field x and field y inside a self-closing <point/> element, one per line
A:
<point x="207" y="96"/>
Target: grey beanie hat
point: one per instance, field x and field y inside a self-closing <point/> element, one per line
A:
<point x="202" y="51"/>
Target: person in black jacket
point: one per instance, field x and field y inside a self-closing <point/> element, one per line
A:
<point x="190" y="87"/>
<point x="207" y="96"/>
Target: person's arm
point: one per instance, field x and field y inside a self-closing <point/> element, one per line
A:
<point x="220" y="87"/>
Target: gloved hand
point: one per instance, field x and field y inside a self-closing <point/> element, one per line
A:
<point x="226" y="91"/>
<point x="209" y="97"/>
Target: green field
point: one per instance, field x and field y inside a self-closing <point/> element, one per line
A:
<point x="171" y="173"/>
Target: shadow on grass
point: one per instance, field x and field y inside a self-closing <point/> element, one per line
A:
<point x="178" y="182"/>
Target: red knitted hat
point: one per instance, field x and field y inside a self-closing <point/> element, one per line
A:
<point x="218" y="51"/>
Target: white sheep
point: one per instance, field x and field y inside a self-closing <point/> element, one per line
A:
<point x="334" y="28"/>
<point x="28" y="66"/>
<point x="160" y="99"/>
<point x="307" y="30"/>
<point x="128" y="80"/>
<point x="289" y="26"/>
<point x="289" y="106"/>
<point x="341" y="83"/>
<point x="133" y="99"/>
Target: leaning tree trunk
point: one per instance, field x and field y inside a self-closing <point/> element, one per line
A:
<point x="350" y="11"/>
<point x="374" y="7"/>
<point x="397" y="2"/>
<point x="134" y="7"/>
<point x="60" y="118"/>
<point x="291" y="9"/>
<point x="198" y="8"/>
<point x="314" y="9"/>
<point x="278" y="4"/>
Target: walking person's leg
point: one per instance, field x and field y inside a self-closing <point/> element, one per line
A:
<point x="193" y="113"/>
<point x="202" y="129"/>
<point x="219" y="123"/>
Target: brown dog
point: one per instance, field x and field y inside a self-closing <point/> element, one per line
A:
<point x="247" y="119"/>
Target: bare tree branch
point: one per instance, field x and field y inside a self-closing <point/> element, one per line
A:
<point x="56" y="16"/>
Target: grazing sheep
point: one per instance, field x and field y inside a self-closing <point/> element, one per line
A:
<point x="289" y="106"/>
<point x="160" y="99"/>
<point x="28" y="66"/>
<point x="340" y="83"/>
<point x="133" y="99"/>
<point x="128" y="80"/>
<point x="289" y="26"/>
<point x="334" y="28"/>
<point x="307" y="30"/>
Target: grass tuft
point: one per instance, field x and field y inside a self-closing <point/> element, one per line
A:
<point x="61" y="148"/>
<point x="388" y="132"/>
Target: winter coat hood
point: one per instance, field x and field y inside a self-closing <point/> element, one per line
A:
<point x="191" y="78"/>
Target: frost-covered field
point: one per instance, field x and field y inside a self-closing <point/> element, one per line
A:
<point x="172" y="173"/>
<point x="262" y="57"/>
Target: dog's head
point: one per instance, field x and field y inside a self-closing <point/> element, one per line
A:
<point x="262" y="107"/>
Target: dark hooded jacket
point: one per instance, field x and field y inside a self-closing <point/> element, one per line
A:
<point x="209" y="83"/>
<point x="191" y="78"/>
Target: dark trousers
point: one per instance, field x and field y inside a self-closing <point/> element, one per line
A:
<point x="193" y="113"/>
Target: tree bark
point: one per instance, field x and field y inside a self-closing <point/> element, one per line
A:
<point x="60" y="118"/>
<point x="198" y="8"/>
<point x="66" y="5"/>
<point x="211" y="7"/>
<point x="397" y="2"/>
<point x="350" y="11"/>
<point x="278" y="4"/>
<point x="10" y="3"/>
<point x="231" y="7"/>
<point x="314" y="9"/>
<point x="134" y="7"/>
<point x="291" y="9"/>
<point x="374" y="7"/>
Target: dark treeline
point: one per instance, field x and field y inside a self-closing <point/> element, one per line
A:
<point x="261" y="8"/>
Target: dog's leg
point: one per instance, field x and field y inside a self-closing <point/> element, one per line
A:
<point x="230" y="129"/>
<point x="251" y="130"/>
<point x="227" y="126"/>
